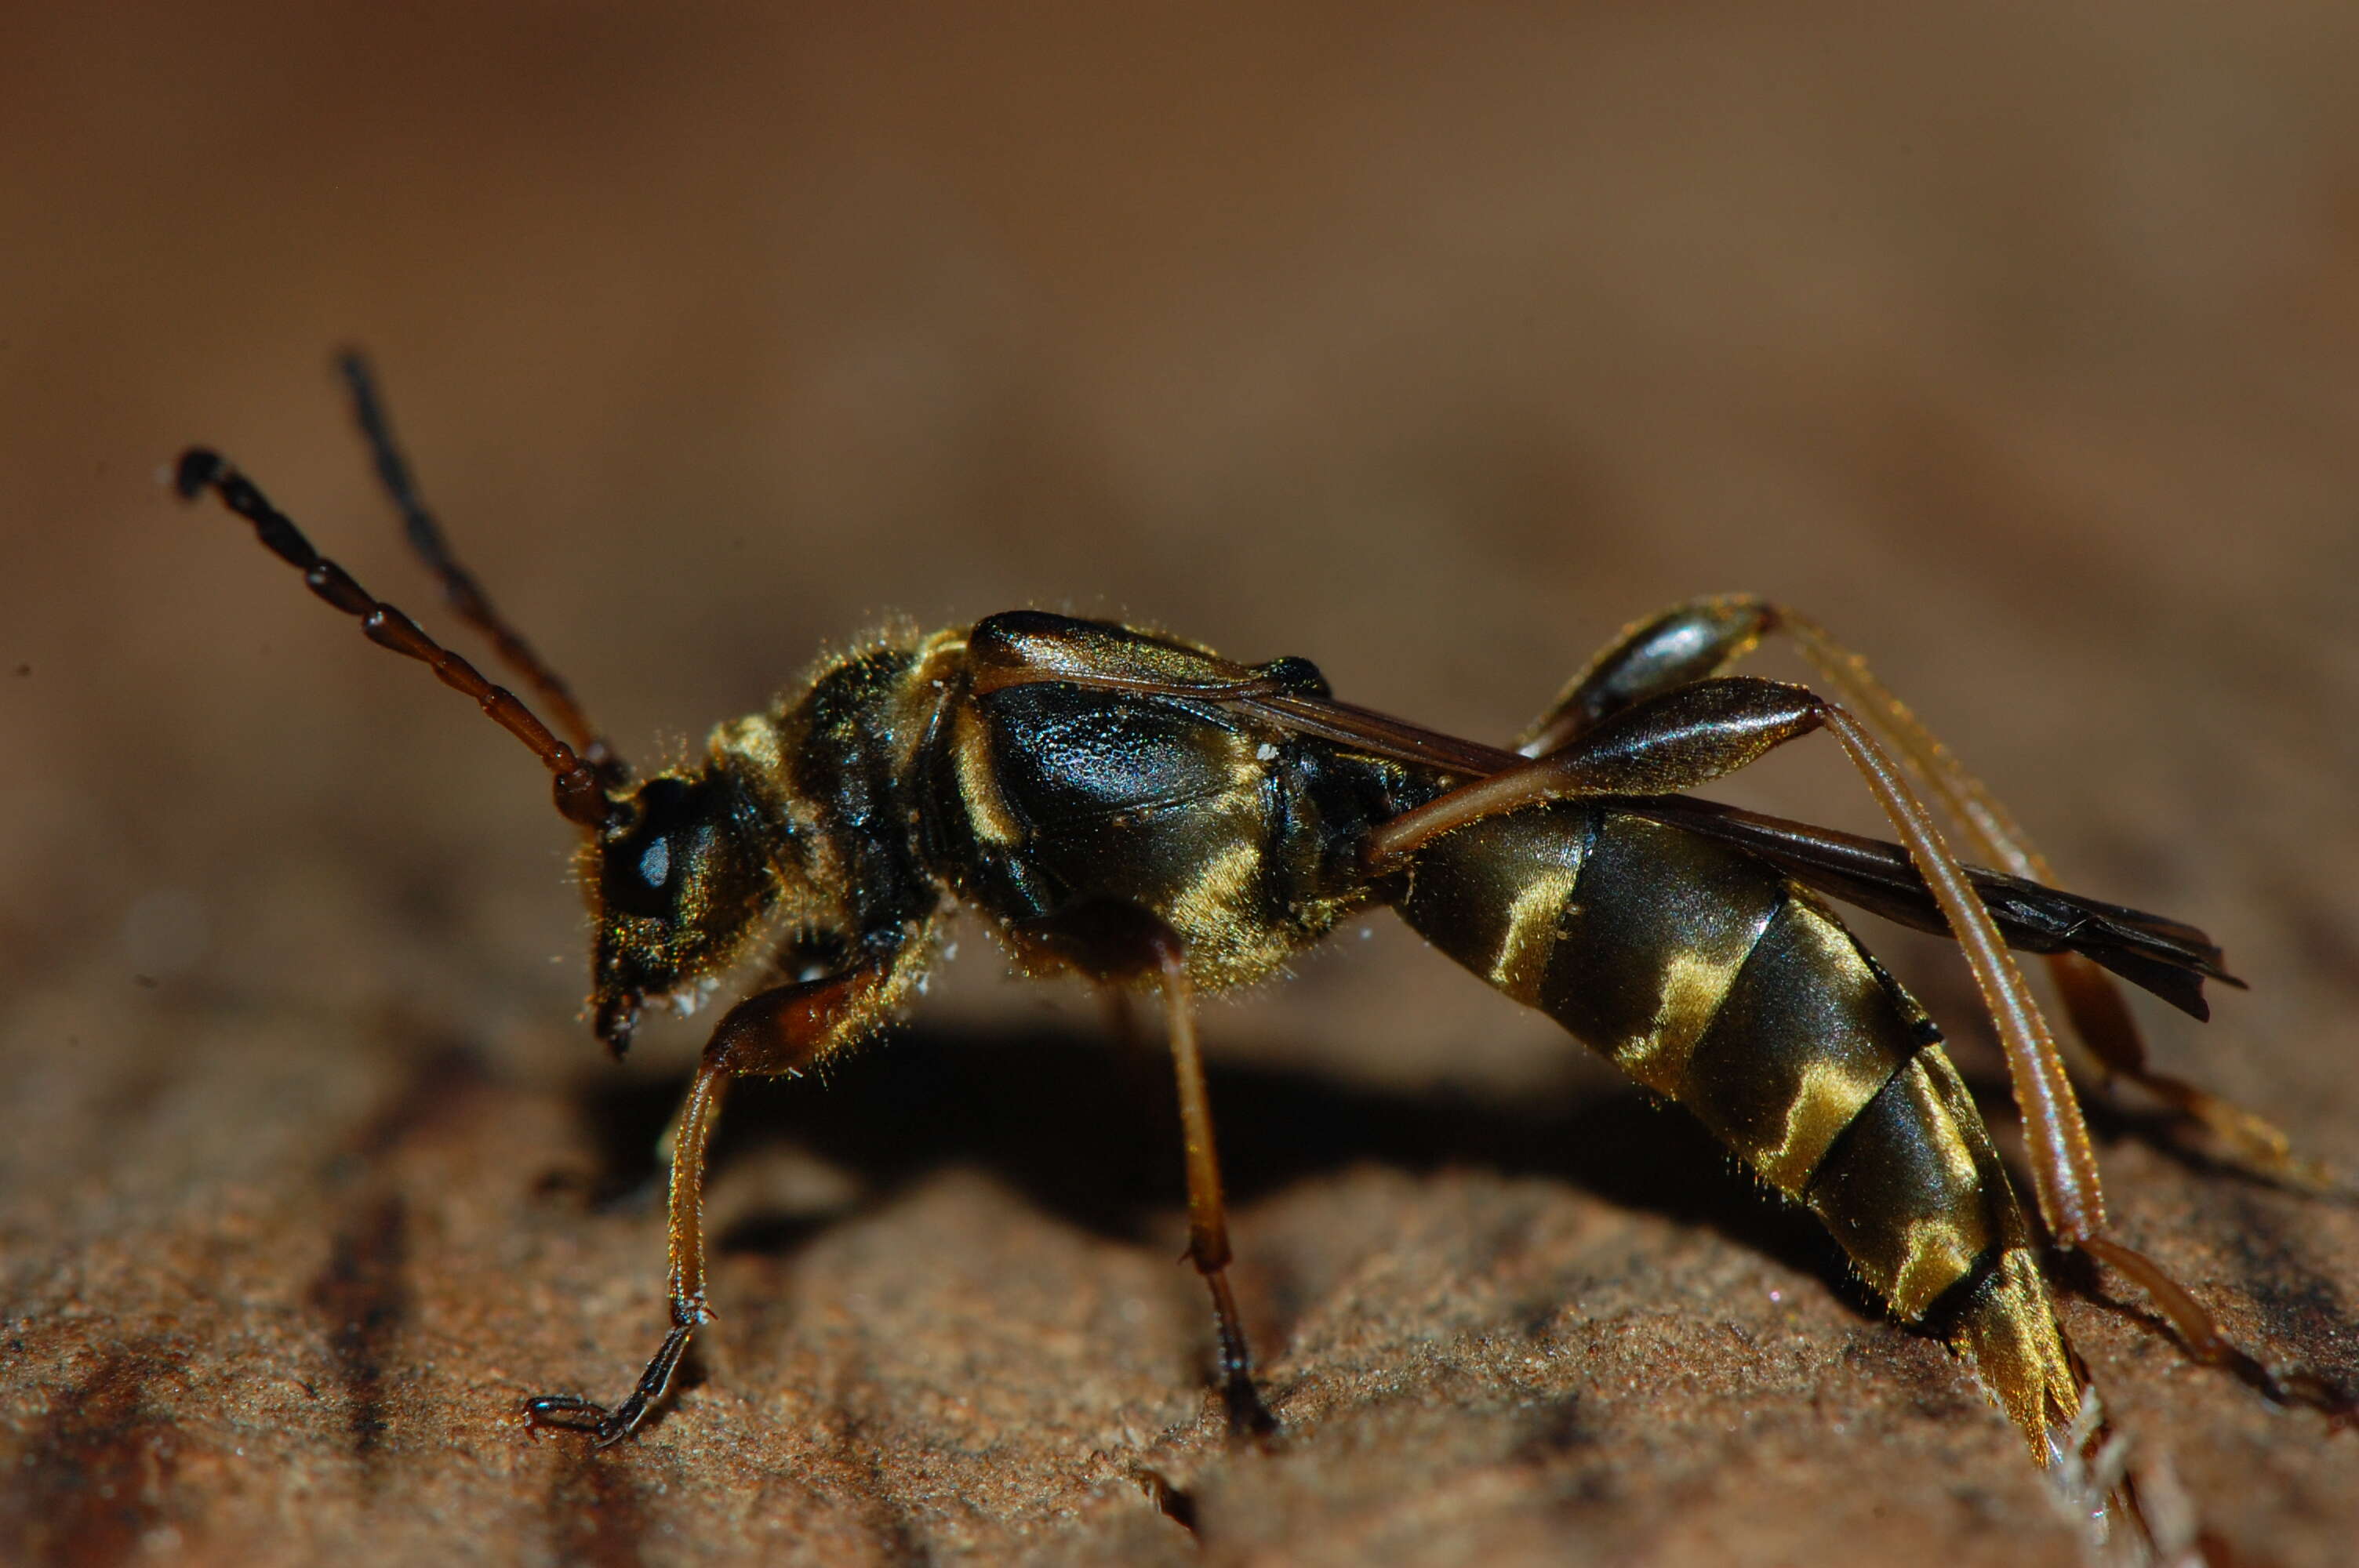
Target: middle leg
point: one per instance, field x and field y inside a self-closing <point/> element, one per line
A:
<point x="1118" y="942"/>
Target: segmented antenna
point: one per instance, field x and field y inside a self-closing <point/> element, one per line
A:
<point x="465" y="594"/>
<point x="580" y="795"/>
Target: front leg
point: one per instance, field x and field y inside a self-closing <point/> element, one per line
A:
<point x="779" y="1031"/>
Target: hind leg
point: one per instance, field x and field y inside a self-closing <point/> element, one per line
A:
<point x="1706" y="637"/>
<point x="1701" y="729"/>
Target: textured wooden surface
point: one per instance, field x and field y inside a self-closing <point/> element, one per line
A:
<point x="2020" y="350"/>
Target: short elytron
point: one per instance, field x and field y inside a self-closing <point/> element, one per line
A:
<point x="1133" y="808"/>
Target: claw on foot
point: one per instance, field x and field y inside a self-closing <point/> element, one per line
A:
<point x="565" y="1412"/>
<point x="1248" y="1417"/>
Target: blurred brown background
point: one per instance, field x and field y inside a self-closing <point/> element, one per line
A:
<point x="2018" y="347"/>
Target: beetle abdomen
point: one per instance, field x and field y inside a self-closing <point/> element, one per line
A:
<point x="1716" y="982"/>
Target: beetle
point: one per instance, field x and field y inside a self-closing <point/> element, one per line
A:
<point x="1133" y="808"/>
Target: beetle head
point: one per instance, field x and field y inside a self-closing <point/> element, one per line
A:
<point x="678" y="890"/>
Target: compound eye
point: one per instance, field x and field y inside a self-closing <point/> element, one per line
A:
<point x="655" y="865"/>
<point x="647" y="867"/>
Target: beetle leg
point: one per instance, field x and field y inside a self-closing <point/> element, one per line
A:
<point x="776" y="1032"/>
<point x="2063" y="1165"/>
<point x="1667" y="744"/>
<point x="1115" y="941"/>
<point x="1703" y="729"/>
<point x="2091" y="1000"/>
<point x="1690" y="642"/>
<point x="2059" y="1145"/>
<point x="1705" y="637"/>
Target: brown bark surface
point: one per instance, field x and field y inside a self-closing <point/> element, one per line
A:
<point x="1431" y="347"/>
